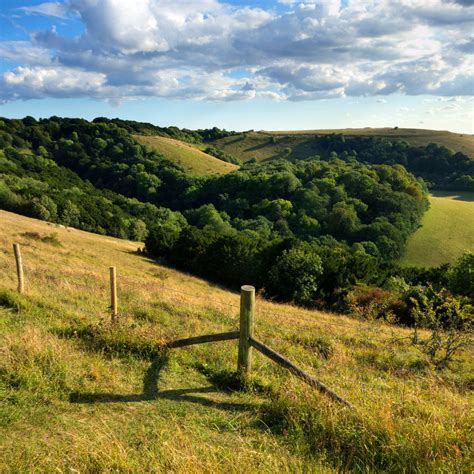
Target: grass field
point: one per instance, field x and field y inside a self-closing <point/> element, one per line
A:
<point x="186" y="155"/>
<point x="414" y="136"/>
<point x="81" y="395"/>
<point x="447" y="231"/>
<point x="270" y="145"/>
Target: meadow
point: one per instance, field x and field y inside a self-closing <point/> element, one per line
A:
<point x="264" y="146"/>
<point x="414" y="136"/>
<point x="79" y="394"/>
<point x="186" y="155"/>
<point x="446" y="232"/>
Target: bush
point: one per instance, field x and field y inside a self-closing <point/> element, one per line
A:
<point x="461" y="276"/>
<point x="294" y="277"/>
<point x="161" y="239"/>
<point x="449" y="321"/>
<point x="372" y="303"/>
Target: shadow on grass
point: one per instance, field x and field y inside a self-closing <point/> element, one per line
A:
<point x="150" y="387"/>
<point x="151" y="392"/>
<point x="466" y="196"/>
<point x="257" y="147"/>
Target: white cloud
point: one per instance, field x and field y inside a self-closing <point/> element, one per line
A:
<point x="49" y="8"/>
<point x="37" y="82"/>
<point x="316" y="49"/>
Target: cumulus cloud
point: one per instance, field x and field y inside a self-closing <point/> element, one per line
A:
<point x="211" y="50"/>
<point x="37" y="82"/>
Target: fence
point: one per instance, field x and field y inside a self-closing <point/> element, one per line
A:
<point x="245" y="334"/>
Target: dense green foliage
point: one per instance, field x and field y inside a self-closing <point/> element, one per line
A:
<point x="310" y="231"/>
<point x="183" y="134"/>
<point x="439" y="166"/>
<point x="36" y="181"/>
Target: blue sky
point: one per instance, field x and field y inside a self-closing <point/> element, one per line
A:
<point x="242" y="65"/>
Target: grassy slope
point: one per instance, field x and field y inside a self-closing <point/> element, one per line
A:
<point x="186" y="155"/>
<point x="94" y="403"/>
<point x="447" y="231"/>
<point x="259" y="145"/>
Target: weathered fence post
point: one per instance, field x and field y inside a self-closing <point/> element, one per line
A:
<point x="247" y="305"/>
<point x="113" y="293"/>
<point x="19" y="268"/>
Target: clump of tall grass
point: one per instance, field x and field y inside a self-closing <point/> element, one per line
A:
<point x="34" y="362"/>
<point x="355" y="441"/>
<point x="112" y="341"/>
<point x="317" y="344"/>
<point x="52" y="239"/>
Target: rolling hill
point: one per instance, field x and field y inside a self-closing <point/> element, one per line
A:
<point x="446" y="232"/>
<point x="80" y="394"/>
<point x="187" y="155"/>
<point x="264" y="146"/>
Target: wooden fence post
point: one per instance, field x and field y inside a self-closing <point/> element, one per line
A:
<point x="247" y="305"/>
<point x="113" y="293"/>
<point x="19" y="268"/>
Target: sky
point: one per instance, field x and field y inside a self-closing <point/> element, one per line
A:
<point x="240" y="65"/>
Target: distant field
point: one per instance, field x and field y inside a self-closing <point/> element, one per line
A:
<point x="270" y="145"/>
<point x="414" y="136"/>
<point x="186" y="155"/>
<point x="263" y="146"/>
<point x="447" y="231"/>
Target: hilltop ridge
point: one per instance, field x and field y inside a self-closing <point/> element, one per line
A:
<point x="265" y="145"/>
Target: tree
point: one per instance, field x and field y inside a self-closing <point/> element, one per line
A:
<point x="44" y="208"/>
<point x="276" y="209"/>
<point x="461" y="276"/>
<point x="295" y="275"/>
<point x="208" y="217"/>
<point x="138" y="230"/>
<point x="343" y="220"/>
<point x="70" y="214"/>
<point x="161" y="238"/>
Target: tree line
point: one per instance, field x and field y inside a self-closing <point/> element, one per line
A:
<point x="325" y="231"/>
<point x="440" y="167"/>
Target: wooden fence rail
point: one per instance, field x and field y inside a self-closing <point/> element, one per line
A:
<point x="247" y="341"/>
<point x="244" y="334"/>
<point x="284" y="362"/>
<point x="223" y="336"/>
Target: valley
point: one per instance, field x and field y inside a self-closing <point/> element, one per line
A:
<point x="335" y="234"/>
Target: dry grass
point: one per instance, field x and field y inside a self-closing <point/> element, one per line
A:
<point x="79" y="394"/>
<point x="189" y="157"/>
<point x="265" y="146"/>
<point x="414" y="136"/>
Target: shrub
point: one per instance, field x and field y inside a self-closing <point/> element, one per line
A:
<point x="372" y="303"/>
<point x="294" y="277"/>
<point x="450" y="323"/>
<point x="461" y="276"/>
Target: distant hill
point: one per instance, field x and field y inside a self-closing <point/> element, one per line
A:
<point x="414" y="136"/>
<point x="186" y="155"/>
<point x="265" y="145"/>
<point x="446" y="232"/>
